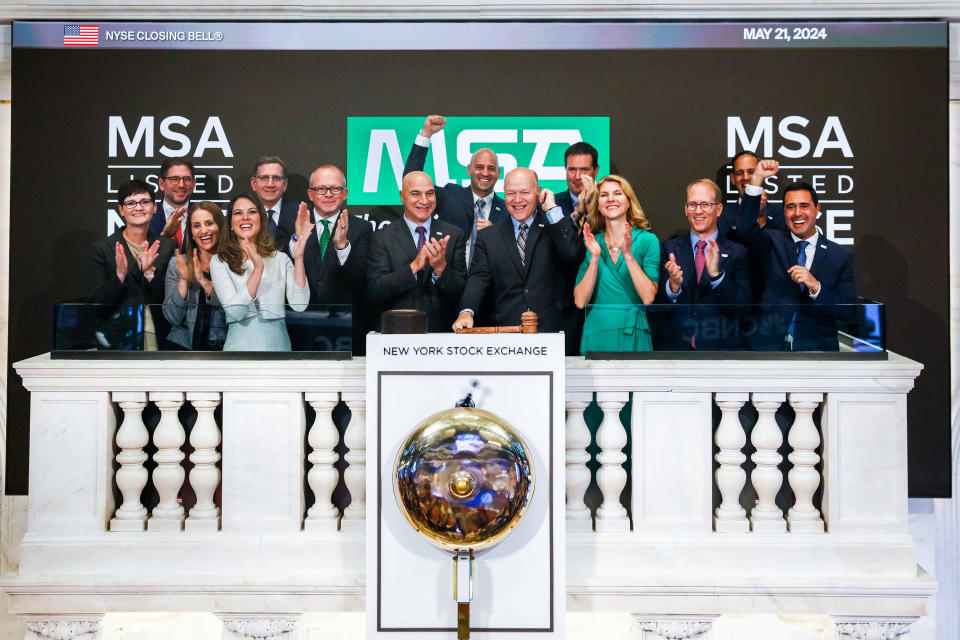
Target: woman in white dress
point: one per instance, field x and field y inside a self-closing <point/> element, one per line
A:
<point x="253" y="280"/>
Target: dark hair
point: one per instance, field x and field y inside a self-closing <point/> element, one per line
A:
<point x="269" y="160"/>
<point x="188" y="244"/>
<point x="581" y="149"/>
<point x="168" y="164"/>
<point x="801" y="186"/>
<point x="228" y="247"/>
<point x="131" y="187"/>
<point x="734" y="159"/>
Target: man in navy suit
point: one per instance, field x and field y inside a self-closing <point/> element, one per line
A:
<point x="418" y="261"/>
<point x="699" y="270"/>
<point x="269" y="182"/>
<point x="809" y="274"/>
<point x="473" y="208"/>
<point x="177" y="181"/>
<point x="579" y="160"/>
<point x="336" y="260"/>
<point x="518" y="261"/>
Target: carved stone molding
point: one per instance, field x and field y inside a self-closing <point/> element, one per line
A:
<point x="63" y="628"/>
<point x="669" y="628"/>
<point x="872" y="629"/>
<point x="277" y="627"/>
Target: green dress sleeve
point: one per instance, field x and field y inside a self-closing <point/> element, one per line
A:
<point x="646" y="249"/>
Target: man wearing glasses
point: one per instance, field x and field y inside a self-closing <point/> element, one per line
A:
<point x="177" y="181"/>
<point x="269" y="182"/>
<point x="336" y="259"/>
<point x="699" y="270"/>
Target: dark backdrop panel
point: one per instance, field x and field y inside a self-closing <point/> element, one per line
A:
<point x="668" y="113"/>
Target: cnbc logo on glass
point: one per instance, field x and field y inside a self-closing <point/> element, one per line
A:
<point x="377" y="149"/>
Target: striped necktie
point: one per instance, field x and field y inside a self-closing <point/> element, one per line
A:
<point x="522" y="243"/>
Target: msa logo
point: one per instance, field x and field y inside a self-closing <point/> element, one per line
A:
<point x="377" y="149"/>
<point x="175" y="131"/>
<point x="793" y="130"/>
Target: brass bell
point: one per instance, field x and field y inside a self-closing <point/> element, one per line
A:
<point x="463" y="479"/>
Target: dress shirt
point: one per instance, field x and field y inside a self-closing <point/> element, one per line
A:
<point x="694" y="239"/>
<point x="342" y="254"/>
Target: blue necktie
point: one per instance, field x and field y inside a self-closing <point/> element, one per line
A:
<point x="477" y="216"/>
<point x="801" y="261"/>
<point x="273" y="225"/>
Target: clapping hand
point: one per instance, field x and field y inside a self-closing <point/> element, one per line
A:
<point x="713" y="258"/>
<point x="182" y="264"/>
<point x="120" y="256"/>
<point x="302" y="229"/>
<point x="252" y="254"/>
<point x="675" y="273"/>
<point x="340" y="233"/>
<point x="198" y="274"/>
<point x="437" y="254"/>
<point x="149" y="257"/>
<point x="173" y="222"/>
<point x="591" y="241"/>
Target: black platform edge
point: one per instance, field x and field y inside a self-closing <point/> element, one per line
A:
<point x="832" y="356"/>
<point x="200" y="355"/>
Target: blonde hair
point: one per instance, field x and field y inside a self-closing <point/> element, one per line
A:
<point x="707" y="182"/>
<point x="635" y="216"/>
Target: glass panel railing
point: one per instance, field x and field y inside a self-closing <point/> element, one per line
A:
<point x="714" y="328"/>
<point x="86" y="328"/>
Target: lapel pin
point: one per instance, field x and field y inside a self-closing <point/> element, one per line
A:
<point x="723" y="255"/>
<point x="436" y="216"/>
<point x="540" y="225"/>
<point x="823" y="246"/>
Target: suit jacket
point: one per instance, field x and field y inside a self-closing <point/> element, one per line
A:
<point x="538" y="283"/>
<point x="455" y="202"/>
<point x="816" y="320"/>
<point x="121" y="301"/>
<point x="565" y="202"/>
<point x="333" y="283"/>
<point x="574" y="327"/>
<point x="393" y="286"/>
<point x="695" y="321"/>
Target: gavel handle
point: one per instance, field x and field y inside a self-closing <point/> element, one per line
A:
<point x="463" y="620"/>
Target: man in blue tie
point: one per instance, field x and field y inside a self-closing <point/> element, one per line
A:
<point x="269" y="182"/>
<point x="808" y="280"/>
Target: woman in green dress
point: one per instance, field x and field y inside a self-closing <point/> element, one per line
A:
<point x="619" y="274"/>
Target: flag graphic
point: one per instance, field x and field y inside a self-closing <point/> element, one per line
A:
<point x="81" y="35"/>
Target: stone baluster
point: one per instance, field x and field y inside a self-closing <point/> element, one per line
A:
<point x="730" y="517"/>
<point x="65" y="627"/>
<point x="804" y="479"/>
<point x="260" y="626"/>
<point x="577" y="472"/>
<point x="612" y="477"/>
<point x="323" y="476"/>
<point x="871" y="627"/>
<point x="355" y="475"/>
<point x="205" y="475"/>
<point x="131" y="477"/>
<point x="671" y="627"/>
<point x="766" y="516"/>
<point x="168" y="475"/>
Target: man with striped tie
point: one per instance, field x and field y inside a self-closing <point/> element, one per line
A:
<point x="520" y="261"/>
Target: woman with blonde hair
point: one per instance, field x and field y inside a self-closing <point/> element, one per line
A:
<point x="253" y="280"/>
<point x="619" y="273"/>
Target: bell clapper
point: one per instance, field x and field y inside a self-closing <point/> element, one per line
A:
<point x="463" y="584"/>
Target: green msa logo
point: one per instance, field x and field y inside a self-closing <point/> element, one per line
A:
<point x="377" y="149"/>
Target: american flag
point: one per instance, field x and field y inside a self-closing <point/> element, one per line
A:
<point x="81" y="35"/>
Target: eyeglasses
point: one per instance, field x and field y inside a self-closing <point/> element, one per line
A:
<point x="703" y="206"/>
<point x="271" y="178"/>
<point x="179" y="179"/>
<point x="324" y="190"/>
<point x="133" y="204"/>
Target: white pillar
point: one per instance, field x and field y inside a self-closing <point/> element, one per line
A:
<point x="323" y="476"/>
<point x="577" y="472"/>
<point x="730" y="517"/>
<point x="67" y="627"/>
<point x="871" y="627"/>
<point x="355" y="475"/>
<point x="205" y="475"/>
<point x="612" y="477"/>
<point x="804" y="479"/>
<point x="766" y="516"/>
<point x="131" y="477"/>
<point x="260" y="627"/>
<point x="168" y="475"/>
<point x="673" y="627"/>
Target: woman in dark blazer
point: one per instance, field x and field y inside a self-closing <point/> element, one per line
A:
<point x="191" y="305"/>
<point x="128" y="270"/>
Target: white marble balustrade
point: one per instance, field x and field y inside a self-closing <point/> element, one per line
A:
<point x="654" y="541"/>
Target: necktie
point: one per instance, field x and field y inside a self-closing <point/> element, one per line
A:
<point x="477" y="216"/>
<point x="522" y="243"/>
<point x="699" y="258"/>
<point x="273" y="225"/>
<point x="802" y="256"/>
<point x="179" y="237"/>
<point x="422" y="239"/>
<point x="324" y="237"/>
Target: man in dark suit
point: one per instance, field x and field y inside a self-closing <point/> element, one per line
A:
<point x="177" y="182"/>
<point x="125" y="283"/>
<point x="336" y="261"/>
<point x="806" y="277"/>
<point x="579" y="160"/>
<point x="473" y="208"/>
<point x="742" y="167"/>
<point x="269" y="182"/>
<point x="699" y="270"/>
<point x="418" y="262"/>
<point x="519" y="261"/>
